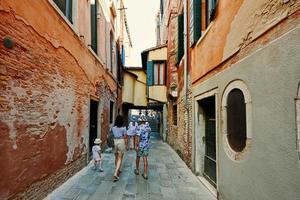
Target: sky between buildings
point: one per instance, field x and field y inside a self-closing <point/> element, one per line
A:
<point x="141" y="19"/>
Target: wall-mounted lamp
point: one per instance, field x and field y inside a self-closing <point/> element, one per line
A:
<point x="8" y="43"/>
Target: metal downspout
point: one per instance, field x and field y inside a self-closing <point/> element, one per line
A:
<point x="185" y="52"/>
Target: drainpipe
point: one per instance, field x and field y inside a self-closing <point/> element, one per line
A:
<point x="185" y="52"/>
<point x="186" y="68"/>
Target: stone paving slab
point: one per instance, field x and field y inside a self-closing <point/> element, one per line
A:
<point x="169" y="179"/>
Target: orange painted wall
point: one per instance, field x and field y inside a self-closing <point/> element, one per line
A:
<point x="237" y="24"/>
<point x="209" y="52"/>
<point x="49" y="24"/>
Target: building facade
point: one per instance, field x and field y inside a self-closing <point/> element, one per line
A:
<point x="154" y="63"/>
<point x="60" y="89"/>
<point x="233" y="77"/>
<point x="133" y="90"/>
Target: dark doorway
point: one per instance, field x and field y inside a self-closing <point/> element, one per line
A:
<point x="209" y="138"/>
<point x="93" y="123"/>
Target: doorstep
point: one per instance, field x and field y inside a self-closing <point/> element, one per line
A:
<point x="210" y="188"/>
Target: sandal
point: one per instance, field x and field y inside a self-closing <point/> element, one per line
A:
<point x="145" y="177"/>
<point x="116" y="178"/>
<point x="136" y="172"/>
<point x="119" y="172"/>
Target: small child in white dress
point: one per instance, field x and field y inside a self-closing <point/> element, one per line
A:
<point x="97" y="154"/>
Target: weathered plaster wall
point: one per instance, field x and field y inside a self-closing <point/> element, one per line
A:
<point x="134" y="89"/>
<point x="140" y="97"/>
<point x="142" y="77"/>
<point x="237" y="24"/>
<point x="84" y="16"/>
<point x="271" y="169"/>
<point x="46" y="81"/>
<point x="102" y="36"/>
<point x="158" y="54"/>
<point x="63" y="37"/>
<point x="158" y="92"/>
<point x="128" y="89"/>
<point x="43" y="107"/>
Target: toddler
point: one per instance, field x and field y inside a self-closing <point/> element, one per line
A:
<point x="97" y="154"/>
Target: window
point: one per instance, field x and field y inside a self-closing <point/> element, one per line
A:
<point x="195" y="21"/>
<point x="94" y="25"/>
<point x="179" y="41"/>
<point x="159" y="73"/>
<point x="161" y="9"/>
<point x="66" y="7"/>
<point x="210" y="11"/>
<point x="111" y="112"/>
<point x="236" y="113"/>
<point x="236" y="120"/>
<point x="175" y="114"/>
<point x="111" y="51"/>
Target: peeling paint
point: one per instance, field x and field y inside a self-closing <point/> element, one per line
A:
<point x="254" y="19"/>
<point x="46" y="81"/>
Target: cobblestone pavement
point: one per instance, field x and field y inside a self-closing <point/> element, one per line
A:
<point x="169" y="178"/>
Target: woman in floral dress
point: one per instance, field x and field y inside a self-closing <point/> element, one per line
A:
<point x="142" y="147"/>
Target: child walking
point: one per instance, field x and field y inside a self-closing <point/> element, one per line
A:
<point x="97" y="154"/>
<point x="131" y="132"/>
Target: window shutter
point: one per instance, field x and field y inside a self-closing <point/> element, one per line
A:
<point x="176" y="40"/>
<point x="150" y="73"/>
<point x="195" y="21"/>
<point x="191" y="22"/>
<point x="123" y="55"/>
<point x="69" y="14"/>
<point x="94" y="27"/>
<point x="180" y="43"/>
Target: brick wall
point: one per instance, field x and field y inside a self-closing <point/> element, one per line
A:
<point x="44" y="107"/>
<point x="41" y="189"/>
<point x="180" y="136"/>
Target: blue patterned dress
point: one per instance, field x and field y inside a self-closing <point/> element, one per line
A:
<point x="144" y="134"/>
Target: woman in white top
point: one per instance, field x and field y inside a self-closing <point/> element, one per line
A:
<point x="119" y="132"/>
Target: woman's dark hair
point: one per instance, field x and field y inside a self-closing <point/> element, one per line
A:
<point x="119" y="122"/>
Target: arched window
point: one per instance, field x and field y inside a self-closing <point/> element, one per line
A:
<point x="236" y="120"/>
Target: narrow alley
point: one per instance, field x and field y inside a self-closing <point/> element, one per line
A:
<point x="217" y="81"/>
<point x="169" y="178"/>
